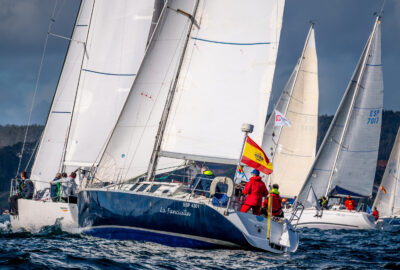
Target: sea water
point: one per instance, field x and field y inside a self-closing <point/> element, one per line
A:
<point x="52" y="248"/>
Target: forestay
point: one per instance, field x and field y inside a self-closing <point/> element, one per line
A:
<point x="225" y="79"/>
<point x="355" y="128"/>
<point x="129" y="149"/>
<point x="292" y="149"/>
<point x="49" y="157"/>
<point x="387" y="199"/>
<point x="116" y="44"/>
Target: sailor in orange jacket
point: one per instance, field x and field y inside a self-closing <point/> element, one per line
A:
<point x="375" y="213"/>
<point x="255" y="190"/>
<point x="349" y="203"/>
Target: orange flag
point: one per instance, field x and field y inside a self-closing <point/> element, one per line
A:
<point x="255" y="157"/>
<point x="383" y="189"/>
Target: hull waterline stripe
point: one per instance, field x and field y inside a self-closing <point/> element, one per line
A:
<point x="326" y="223"/>
<point x="198" y="238"/>
<point x="110" y="74"/>
<point x="231" y="43"/>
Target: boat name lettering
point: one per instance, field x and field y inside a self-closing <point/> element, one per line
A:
<point x="170" y="211"/>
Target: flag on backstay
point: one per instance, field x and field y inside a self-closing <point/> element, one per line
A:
<point x="281" y="120"/>
<point x="255" y="157"/>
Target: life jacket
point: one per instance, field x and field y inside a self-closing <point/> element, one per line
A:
<point x="349" y="203"/>
<point x="276" y="200"/>
<point x="255" y="190"/>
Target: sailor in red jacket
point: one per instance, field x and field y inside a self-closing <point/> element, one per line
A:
<point x="349" y="203"/>
<point x="276" y="200"/>
<point x="255" y="190"/>
<point x="375" y="213"/>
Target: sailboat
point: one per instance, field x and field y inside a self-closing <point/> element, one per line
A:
<point x="206" y="71"/>
<point x="294" y="146"/>
<point x="106" y="48"/>
<point x="387" y="199"/>
<point x="346" y="161"/>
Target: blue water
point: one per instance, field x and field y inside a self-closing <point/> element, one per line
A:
<point x="53" y="249"/>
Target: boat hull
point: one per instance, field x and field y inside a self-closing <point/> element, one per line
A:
<point x="336" y="219"/>
<point x="34" y="215"/>
<point x="173" y="222"/>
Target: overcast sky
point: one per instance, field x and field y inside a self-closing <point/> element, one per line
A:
<point x="342" y="29"/>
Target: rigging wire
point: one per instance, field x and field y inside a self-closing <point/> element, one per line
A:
<point x="36" y="86"/>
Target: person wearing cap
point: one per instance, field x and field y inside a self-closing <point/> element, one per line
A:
<point x="349" y="203"/>
<point x="276" y="202"/>
<point x="255" y="190"/>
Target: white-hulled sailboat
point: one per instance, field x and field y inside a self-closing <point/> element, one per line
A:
<point x="292" y="148"/>
<point x="346" y="161"/>
<point x="106" y="48"/>
<point x="206" y="71"/>
<point x="387" y="199"/>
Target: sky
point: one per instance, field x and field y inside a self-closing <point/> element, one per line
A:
<point x="342" y="29"/>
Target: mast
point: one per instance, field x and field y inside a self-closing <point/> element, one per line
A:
<point x="164" y="118"/>
<point x="366" y="55"/>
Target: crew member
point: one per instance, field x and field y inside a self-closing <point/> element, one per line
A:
<point x="375" y="213"/>
<point x="349" y="203"/>
<point x="255" y="190"/>
<point x="276" y="202"/>
<point x="25" y="190"/>
<point x="323" y="202"/>
<point x="202" y="182"/>
<point x="54" y="188"/>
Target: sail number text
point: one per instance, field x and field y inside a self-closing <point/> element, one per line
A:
<point x="373" y="117"/>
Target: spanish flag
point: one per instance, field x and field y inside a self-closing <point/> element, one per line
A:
<point x="383" y="189"/>
<point x="255" y="157"/>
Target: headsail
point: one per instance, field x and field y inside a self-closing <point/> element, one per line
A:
<point x="116" y="45"/>
<point x="348" y="154"/>
<point x="387" y="199"/>
<point x="49" y="157"/>
<point x="292" y="149"/>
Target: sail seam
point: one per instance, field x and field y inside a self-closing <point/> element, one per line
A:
<point x="231" y="43"/>
<point x="59" y="112"/>
<point x="110" y="74"/>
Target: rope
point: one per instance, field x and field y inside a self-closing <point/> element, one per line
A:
<point x="36" y="87"/>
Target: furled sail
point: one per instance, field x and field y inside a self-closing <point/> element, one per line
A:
<point x="347" y="157"/>
<point x="115" y="46"/>
<point x="292" y="149"/>
<point x="216" y="67"/>
<point x="387" y="199"/>
<point x="49" y="157"/>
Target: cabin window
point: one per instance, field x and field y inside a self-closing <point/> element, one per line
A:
<point x="134" y="187"/>
<point x="143" y="187"/>
<point x="165" y="191"/>
<point x="154" y="188"/>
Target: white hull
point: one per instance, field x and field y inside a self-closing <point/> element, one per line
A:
<point x="34" y="215"/>
<point x="336" y="219"/>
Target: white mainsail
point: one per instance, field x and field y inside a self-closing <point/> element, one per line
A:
<point x="292" y="148"/>
<point x="347" y="157"/>
<point x="115" y="46"/>
<point x="224" y="73"/>
<point x="49" y="157"/>
<point x="387" y="199"/>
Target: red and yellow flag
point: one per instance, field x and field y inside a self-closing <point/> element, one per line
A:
<point x="255" y="157"/>
<point x="383" y="189"/>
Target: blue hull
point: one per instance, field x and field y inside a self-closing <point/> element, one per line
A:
<point x="122" y="215"/>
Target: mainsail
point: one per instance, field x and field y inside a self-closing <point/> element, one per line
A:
<point x="347" y="157"/>
<point x="216" y="78"/>
<point x="292" y="149"/>
<point x="387" y="199"/>
<point x="49" y="157"/>
<point x="107" y="46"/>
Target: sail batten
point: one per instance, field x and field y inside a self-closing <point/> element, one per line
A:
<point x="348" y="154"/>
